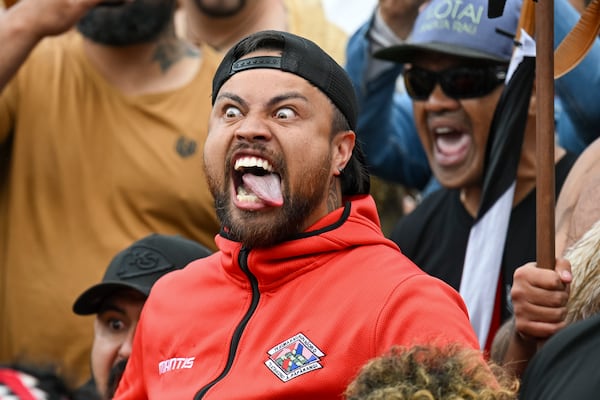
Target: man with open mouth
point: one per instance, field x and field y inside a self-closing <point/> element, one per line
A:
<point x="455" y="67"/>
<point x="304" y="288"/>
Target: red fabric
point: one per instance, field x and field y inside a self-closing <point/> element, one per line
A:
<point x="496" y="317"/>
<point x="12" y="379"/>
<point x="342" y="285"/>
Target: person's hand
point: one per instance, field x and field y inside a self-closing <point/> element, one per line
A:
<point x="42" y="18"/>
<point x="540" y="298"/>
<point x="400" y="15"/>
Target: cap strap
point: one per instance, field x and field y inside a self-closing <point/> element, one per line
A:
<point x="256" y="62"/>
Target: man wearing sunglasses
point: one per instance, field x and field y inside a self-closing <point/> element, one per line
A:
<point x="386" y="126"/>
<point x="455" y="66"/>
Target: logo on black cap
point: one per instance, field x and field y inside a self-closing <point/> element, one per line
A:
<point x="141" y="261"/>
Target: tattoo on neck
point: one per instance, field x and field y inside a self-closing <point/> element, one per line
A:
<point x="333" y="199"/>
<point x="171" y="50"/>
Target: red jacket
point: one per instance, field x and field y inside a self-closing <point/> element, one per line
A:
<point x="294" y="321"/>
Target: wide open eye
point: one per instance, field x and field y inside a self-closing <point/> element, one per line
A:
<point x="284" y="113"/>
<point x="116" y="324"/>
<point x="112" y="322"/>
<point x="232" y="112"/>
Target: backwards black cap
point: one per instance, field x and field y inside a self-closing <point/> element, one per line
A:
<point x="139" y="266"/>
<point x="307" y="60"/>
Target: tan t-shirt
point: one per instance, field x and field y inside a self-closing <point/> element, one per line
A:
<point x="307" y="18"/>
<point x="84" y="172"/>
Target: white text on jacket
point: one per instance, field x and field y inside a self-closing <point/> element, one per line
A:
<point x="175" y="363"/>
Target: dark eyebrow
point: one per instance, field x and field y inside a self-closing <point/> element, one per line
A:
<point x="106" y="307"/>
<point x="233" y="97"/>
<point x="272" y="102"/>
<point x="286" y="96"/>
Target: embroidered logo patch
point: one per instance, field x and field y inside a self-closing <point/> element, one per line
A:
<point x="294" y="357"/>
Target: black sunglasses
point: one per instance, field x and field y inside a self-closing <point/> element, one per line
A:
<point x="456" y="82"/>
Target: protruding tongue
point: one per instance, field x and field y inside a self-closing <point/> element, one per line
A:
<point x="266" y="187"/>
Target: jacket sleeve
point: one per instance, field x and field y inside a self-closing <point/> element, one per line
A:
<point x="385" y="126"/>
<point x="424" y="310"/>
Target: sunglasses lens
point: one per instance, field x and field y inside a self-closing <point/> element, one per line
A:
<point x="463" y="83"/>
<point x="457" y="83"/>
<point x="419" y="83"/>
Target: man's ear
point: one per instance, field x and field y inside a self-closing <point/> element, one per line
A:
<point x="342" y="146"/>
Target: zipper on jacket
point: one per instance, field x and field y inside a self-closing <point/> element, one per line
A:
<point x="243" y="261"/>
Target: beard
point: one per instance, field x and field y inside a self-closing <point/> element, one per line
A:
<point x="125" y="24"/>
<point x="116" y="373"/>
<point x="269" y="227"/>
<point x="217" y="9"/>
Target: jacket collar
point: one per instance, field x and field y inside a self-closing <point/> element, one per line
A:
<point x="354" y="224"/>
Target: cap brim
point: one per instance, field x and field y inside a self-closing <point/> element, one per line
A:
<point x="90" y="301"/>
<point x="406" y="53"/>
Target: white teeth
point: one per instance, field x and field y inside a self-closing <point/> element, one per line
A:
<point x="246" y="162"/>
<point x="243" y="195"/>
<point x="442" y="130"/>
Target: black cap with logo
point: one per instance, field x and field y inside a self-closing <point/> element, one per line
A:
<point x="139" y="266"/>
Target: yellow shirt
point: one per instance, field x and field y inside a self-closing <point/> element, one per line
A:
<point x="307" y="18"/>
<point x="84" y="172"/>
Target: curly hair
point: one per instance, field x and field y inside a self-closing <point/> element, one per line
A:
<point x="584" y="255"/>
<point x="450" y="372"/>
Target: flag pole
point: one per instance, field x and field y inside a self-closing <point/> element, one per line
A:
<point x="544" y="86"/>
